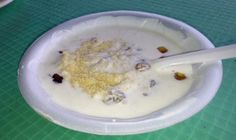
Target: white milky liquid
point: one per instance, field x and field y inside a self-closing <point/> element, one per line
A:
<point x="167" y="90"/>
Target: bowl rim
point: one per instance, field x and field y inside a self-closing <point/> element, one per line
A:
<point x="112" y="126"/>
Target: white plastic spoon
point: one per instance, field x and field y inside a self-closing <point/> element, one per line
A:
<point x="200" y="56"/>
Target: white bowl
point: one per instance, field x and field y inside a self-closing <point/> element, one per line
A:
<point x="5" y="2"/>
<point x="199" y="95"/>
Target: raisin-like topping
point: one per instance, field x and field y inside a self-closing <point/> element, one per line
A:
<point x="142" y="66"/>
<point x="152" y="83"/>
<point x="180" y="76"/>
<point x="57" y="78"/>
<point x="114" y="97"/>
<point x="162" y="49"/>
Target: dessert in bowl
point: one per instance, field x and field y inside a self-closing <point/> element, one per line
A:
<point x="92" y="74"/>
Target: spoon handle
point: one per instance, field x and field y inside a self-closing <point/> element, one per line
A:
<point x="207" y="55"/>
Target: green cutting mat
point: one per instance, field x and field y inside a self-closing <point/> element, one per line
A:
<point x="23" y="21"/>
